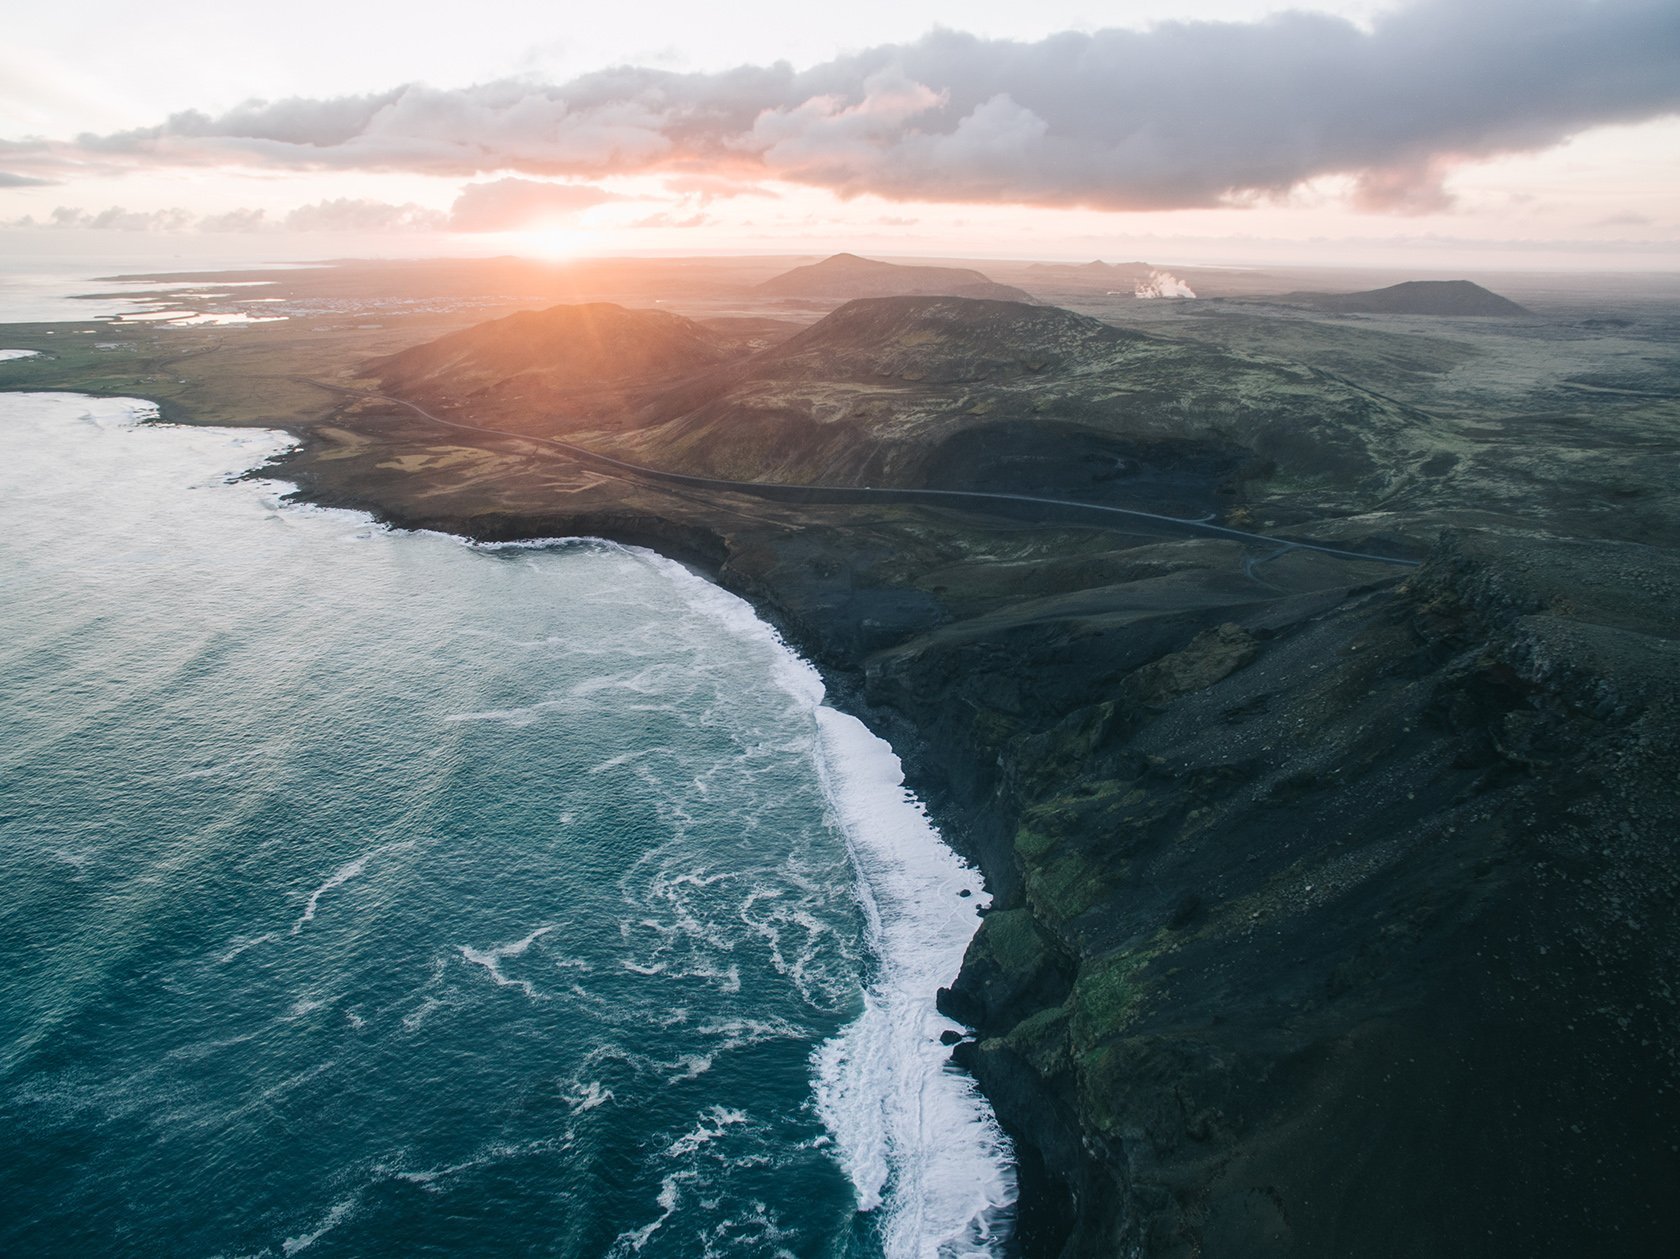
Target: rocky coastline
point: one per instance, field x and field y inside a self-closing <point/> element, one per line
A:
<point x="1318" y="916"/>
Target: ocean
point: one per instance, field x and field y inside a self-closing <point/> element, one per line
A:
<point x="373" y="892"/>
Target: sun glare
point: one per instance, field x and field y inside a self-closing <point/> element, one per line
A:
<point x="554" y="242"/>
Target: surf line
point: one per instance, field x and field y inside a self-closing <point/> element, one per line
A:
<point x="920" y="1144"/>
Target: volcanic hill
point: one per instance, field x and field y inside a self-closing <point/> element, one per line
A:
<point x="954" y="392"/>
<point x="1414" y="297"/>
<point x="597" y="360"/>
<point x="582" y="345"/>
<point x="846" y="276"/>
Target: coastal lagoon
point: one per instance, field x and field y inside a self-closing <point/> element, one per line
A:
<point x="371" y="891"/>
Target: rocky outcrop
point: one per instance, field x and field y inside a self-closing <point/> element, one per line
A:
<point x="564" y="349"/>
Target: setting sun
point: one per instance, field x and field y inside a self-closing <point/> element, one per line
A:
<point x="551" y="241"/>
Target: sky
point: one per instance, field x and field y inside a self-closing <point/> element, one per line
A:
<point x="1504" y="133"/>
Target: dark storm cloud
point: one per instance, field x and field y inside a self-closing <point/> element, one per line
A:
<point x="1184" y="114"/>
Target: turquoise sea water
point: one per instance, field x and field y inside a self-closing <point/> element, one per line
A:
<point x="373" y="893"/>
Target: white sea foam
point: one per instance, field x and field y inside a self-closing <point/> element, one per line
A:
<point x="789" y="672"/>
<point x="633" y="1241"/>
<point x="538" y="544"/>
<point x="515" y="717"/>
<point x="588" y="1096"/>
<point x="364" y="524"/>
<point x="432" y="1179"/>
<point x="414" y="1018"/>
<point x="491" y="960"/>
<point x="709" y="1129"/>
<point x="918" y="1143"/>
<point x="689" y="1067"/>
<point x="654" y="679"/>
<point x="534" y="644"/>
<point x="914" y="1135"/>
<point x="77" y="859"/>
<point x="7" y="356"/>
<point x="339" y="877"/>
<point x="737" y="1033"/>
<point x="339" y="1213"/>
<point x="243" y="943"/>
<point x="767" y="912"/>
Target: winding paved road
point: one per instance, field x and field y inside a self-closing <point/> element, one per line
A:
<point x="1067" y="510"/>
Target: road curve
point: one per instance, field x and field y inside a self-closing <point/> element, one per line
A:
<point x="1068" y="510"/>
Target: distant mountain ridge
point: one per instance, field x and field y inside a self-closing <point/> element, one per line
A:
<point x="1095" y="272"/>
<point x="845" y="277"/>
<point x="1413" y="297"/>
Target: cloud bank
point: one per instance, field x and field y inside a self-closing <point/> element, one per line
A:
<point x="342" y="215"/>
<point x="1181" y="115"/>
<point x="355" y="214"/>
<point x="501" y="206"/>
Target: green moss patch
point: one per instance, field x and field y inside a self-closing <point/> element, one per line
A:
<point x="1012" y="939"/>
<point x="1066" y="887"/>
<point x="1106" y="995"/>
<point x="1042" y="1040"/>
